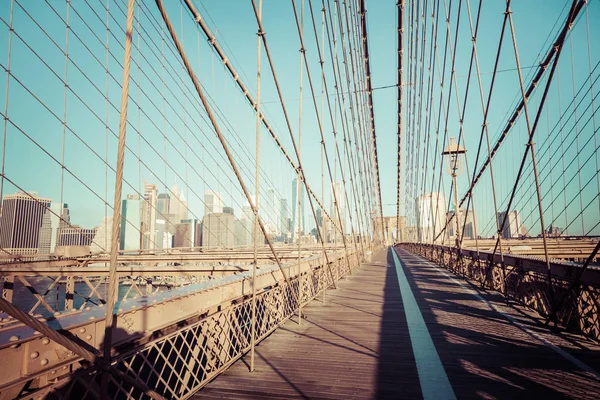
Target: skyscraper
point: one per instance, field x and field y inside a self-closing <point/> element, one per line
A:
<point x="131" y="223"/>
<point x="51" y="225"/>
<point x="21" y="222"/>
<point x="102" y="239"/>
<point x="272" y="213"/>
<point x="283" y="218"/>
<point x="149" y="215"/>
<point x="218" y="230"/>
<point x="76" y="236"/>
<point x="163" y="205"/>
<point x="178" y="209"/>
<point x="213" y="203"/>
<point x="512" y="227"/>
<point x="338" y="189"/>
<point x="431" y="217"/>
<point x="298" y="213"/>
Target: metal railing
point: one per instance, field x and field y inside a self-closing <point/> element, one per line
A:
<point x="172" y="341"/>
<point x="572" y="300"/>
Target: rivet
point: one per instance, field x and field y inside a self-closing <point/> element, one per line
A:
<point x="81" y="330"/>
<point x="92" y="317"/>
<point x="34" y="355"/>
<point x="13" y="338"/>
<point x="88" y="337"/>
<point x="88" y="308"/>
<point x="57" y="313"/>
<point x="36" y="333"/>
<point x="120" y="310"/>
<point x="133" y="306"/>
<point x="44" y="361"/>
<point x="65" y="367"/>
<point x="45" y="341"/>
<point x="53" y="372"/>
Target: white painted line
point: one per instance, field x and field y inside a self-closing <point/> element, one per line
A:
<point x="580" y="364"/>
<point x="432" y="375"/>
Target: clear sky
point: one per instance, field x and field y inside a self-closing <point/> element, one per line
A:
<point x="170" y="140"/>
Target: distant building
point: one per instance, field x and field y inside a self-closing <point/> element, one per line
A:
<point x="178" y="208"/>
<point x="149" y="215"/>
<point x="103" y="237"/>
<point x="338" y="189"/>
<point x="469" y="231"/>
<point x="213" y="203"/>
<point x="53" y="221"/>
<point x="284" y="214"/>
<point x="298" y="212"/>
<point x="431" y="217"/>
<point x="228" y="210"/>
<point x="21" y="222"/>
<point x="185" y="233"/>
<point x="131" y="223"/>
<point x="164" y="238"/>
<point x="75" y="236"/>
<point x="218" y="230"/>
<point x="163" y="205"/>
<point x="512" y="227"/>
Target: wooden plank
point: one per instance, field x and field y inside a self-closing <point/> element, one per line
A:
<point x="357" y="345"/>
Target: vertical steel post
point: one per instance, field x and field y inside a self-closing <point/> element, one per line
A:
<point x="298" y="185"/>
<point x="114" y="247"/>
<point x="258" y="53"/>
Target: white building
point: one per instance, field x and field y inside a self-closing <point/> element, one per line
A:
<point x="431" y="217"/>
<point x="213" y="202"/>
<point x="131" y="223"/>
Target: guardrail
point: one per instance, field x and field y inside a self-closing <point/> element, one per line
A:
<point x="172" y="341"/>
<point x="569" y="295"/>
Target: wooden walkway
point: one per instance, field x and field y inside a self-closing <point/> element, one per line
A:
<point x="357" y="345"/>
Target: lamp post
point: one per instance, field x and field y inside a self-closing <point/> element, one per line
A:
<point x="454" y="156"/>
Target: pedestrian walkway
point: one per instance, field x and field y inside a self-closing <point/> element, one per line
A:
<point x="404" y="328"/>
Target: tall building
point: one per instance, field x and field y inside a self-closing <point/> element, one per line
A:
<point x="469" y="228"/>
<point x="131" y="223"/>
<point x="298" y="213"/>
<point x="149" y="215"/>
<point x="76" y="236"/>
<point x="163" y="205"/>
<point x="21" y="222"/>
<point x="213" y="202"/>
<point x="247" y="226"/>
<point x="271" y="216"/>
<point x="53" y="221"/>
<point x="186" y="233"/>
<point x="178" y="208"/>
<point x="431" y="217"/>
<point x="103" y="237"/>
<point x="338" y="189"/>
<point x="164" y="238"/>
<point x="512" y="227"/>
<point x="283" y="218"/>
<point x="218" y="230"/>
<point x="228" y="210"/>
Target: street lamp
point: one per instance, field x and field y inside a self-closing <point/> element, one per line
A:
<point x="454" y="166"/>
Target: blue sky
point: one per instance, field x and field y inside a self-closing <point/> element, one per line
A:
<point x="171" y="135"/>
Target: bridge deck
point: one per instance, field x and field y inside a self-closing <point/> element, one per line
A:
<point x="368" y="340"/>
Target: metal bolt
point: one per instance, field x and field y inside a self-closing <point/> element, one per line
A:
<point x="88" y="337"/>
<point x="81" y="330"/>
<point x="53" y="372"/>
<point x="34" y="355"/>
<point x="13" y="338"/>
<point x="45" y="341"/>
<point x="44" y="361"/>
